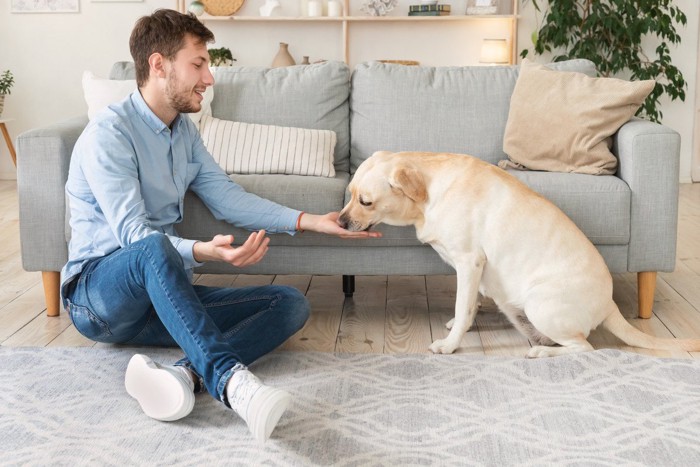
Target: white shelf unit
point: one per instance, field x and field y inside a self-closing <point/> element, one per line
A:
<point x="348" y="20"/>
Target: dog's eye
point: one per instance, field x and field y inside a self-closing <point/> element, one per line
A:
<point x="365" y="203"/>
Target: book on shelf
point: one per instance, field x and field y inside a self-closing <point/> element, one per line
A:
<point x="436" y="7"/>
<point x="428" y="13"/>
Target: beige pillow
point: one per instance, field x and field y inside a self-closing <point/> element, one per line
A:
<point x="251" y="148"/>
<point x="562" y="121"/>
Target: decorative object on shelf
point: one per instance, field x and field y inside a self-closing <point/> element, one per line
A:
<point x="196" y="8"/>
<point x="222" y="7"/>
<point x="482" y="7"/>
<point x="494" y="52"/>
<point x="6" y="82"/>
<point x="283" y="57"/>
<point x="221" y="57"/>
<point x="335" y="8"/>
<point x="305" y="60"/>
<point x="581" y="30"/>
<point x="378" y="7"/>
<point x="270" y="8"/>
<point x="433" y="9"/>
<point x="303" y="7"/>
<point x="428" y="2"/>
<point x="315" y="8"/>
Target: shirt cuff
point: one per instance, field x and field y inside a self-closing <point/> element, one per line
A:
<point x="290" y="221"/>
<point x="186" y="250"/>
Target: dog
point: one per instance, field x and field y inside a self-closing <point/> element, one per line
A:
<point x="504" y="241"/>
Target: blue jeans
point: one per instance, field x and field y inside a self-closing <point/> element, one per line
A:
<point x="141" y="295"/>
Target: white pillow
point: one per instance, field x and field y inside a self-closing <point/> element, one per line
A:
<point x="251" y="148"/>
<point x="99" y="93"/>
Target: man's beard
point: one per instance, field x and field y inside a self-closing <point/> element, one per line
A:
<point x="180" y="100"/>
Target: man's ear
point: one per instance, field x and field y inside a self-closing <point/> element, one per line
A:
<point x="156" y="63"/>
<point x="410" y="182"/>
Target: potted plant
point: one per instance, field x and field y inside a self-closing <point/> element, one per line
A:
<point x="6" y="82"/>
<point x="610" y="34"/>
<point x="221" y="57"/>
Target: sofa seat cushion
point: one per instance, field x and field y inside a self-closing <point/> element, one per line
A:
<point x="317" y="195"/>
<point x="598" y="204"/>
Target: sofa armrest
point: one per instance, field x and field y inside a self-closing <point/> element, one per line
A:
<point x="43" y="158"/>
<point x="649" y="161"/>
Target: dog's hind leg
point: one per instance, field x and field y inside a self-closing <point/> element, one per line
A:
<point x="561" y="326"/>
<point x="469" y="270"/>
<point x="572" y="345"/>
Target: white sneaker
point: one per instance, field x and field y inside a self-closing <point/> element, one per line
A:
<point x="258" y="405"/>
<point x="164" y="392"/>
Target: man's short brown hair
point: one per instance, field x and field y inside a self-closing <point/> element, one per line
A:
<point x="163" y="32"/>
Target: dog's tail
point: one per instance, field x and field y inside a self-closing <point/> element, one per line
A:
<point x="618" y="325"/>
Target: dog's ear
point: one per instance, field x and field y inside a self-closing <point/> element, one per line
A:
<point x="409" y="181"/>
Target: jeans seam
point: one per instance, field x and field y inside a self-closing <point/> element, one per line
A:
<point x="175" y="307"/>
<point x="273" y="301"/>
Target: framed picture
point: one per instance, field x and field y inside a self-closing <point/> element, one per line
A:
<point x="44" y="6"/>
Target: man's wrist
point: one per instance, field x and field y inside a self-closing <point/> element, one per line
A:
<point x="298" y="226"/>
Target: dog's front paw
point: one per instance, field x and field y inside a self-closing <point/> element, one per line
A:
<point x="442" y="346"/>
<point x="450" y="323"/>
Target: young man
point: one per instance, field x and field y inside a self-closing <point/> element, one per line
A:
<point x="128" y="278"/>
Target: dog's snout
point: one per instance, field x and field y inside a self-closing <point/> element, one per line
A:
<point x="343" y="220"/>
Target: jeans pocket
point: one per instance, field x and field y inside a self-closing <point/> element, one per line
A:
<point x="88" y="323"/>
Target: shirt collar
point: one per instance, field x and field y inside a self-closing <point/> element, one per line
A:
<point x="151" y="119"/>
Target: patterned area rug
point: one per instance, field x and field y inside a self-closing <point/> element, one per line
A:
<point x="68" y="406"/>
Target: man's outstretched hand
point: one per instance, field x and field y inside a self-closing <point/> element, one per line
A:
<point x="328" y="224"/>
<point x="220" y="249"/>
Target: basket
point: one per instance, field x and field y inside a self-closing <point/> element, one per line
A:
<point x="222" y="7"/>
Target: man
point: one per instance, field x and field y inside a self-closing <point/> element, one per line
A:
<point x="128" y="278"/>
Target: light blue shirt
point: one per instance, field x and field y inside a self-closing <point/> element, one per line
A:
<point x="127" y="180"/>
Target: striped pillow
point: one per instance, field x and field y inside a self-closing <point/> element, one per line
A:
<point x="251" y="148"/>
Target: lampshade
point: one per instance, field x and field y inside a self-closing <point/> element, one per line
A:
<point x="495" y="52"/>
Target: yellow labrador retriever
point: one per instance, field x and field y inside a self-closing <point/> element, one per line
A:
<point x="503" y="240"/>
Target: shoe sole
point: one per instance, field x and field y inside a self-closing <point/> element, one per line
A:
<point x="159" y="393"/>
<point x="262" y="427"/>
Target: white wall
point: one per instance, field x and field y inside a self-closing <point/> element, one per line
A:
<point x="47" y="53"/>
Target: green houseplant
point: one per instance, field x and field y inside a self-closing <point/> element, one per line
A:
<point x="6" y="82"/>
<point x="610" y="33"/>
<point x="221" y="57"/>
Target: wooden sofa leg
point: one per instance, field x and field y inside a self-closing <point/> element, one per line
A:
<point x="52" y="282"/>
<point x="349" y="285"/>
<point x="646" y="284"/>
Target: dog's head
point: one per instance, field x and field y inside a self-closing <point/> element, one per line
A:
<point x="385" y="189"/>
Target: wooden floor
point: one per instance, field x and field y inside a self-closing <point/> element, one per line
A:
<point x="395" y="314"/>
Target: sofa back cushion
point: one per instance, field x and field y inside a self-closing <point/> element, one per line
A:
<point x="306" y="96"/>
<point x="440" y="109"/>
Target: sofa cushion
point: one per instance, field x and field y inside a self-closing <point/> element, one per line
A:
<point x="440" y="109"/>
<point x="99" y="93"/>
<point x="563" y="121"/>
<point x="599" y="205"/>
<point x="317" y="195"/>
<point x="308" y="96"/>
<point x="252" y="148"/>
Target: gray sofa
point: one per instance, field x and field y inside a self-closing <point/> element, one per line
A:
<point x="631" y="217"/>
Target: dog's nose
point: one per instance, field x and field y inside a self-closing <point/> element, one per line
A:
<point x="343" y="221"/>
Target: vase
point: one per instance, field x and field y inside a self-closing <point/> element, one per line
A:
<point x="283" y="57"/>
